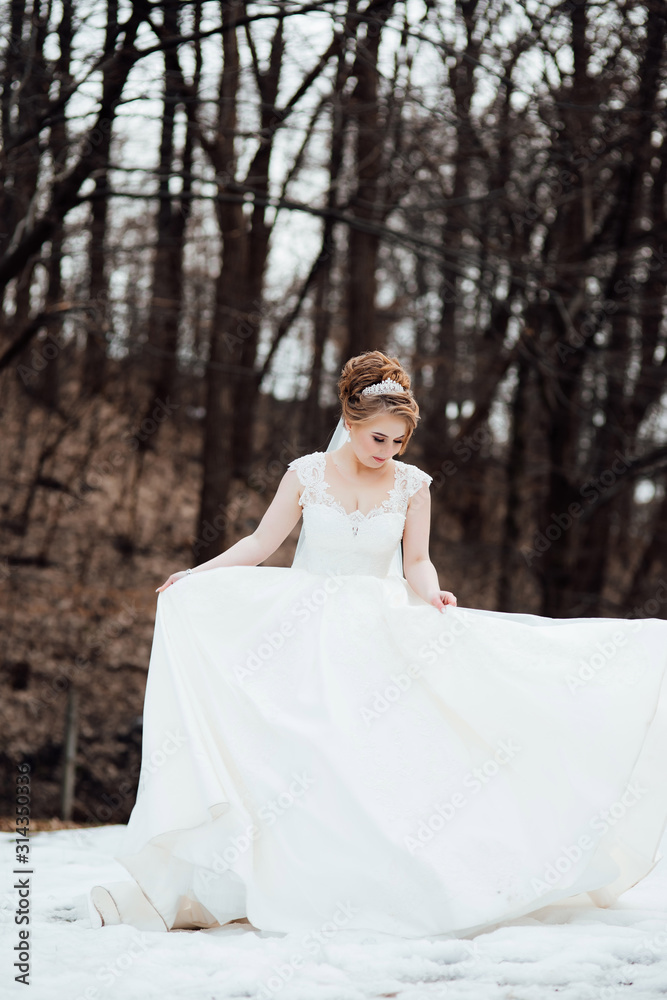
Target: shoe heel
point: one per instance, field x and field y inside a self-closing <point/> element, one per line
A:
<point x="103" y="905"/>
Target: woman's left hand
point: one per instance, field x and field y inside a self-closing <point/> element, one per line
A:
<point x="442" y="599"/>
<point x="171" y="580"/>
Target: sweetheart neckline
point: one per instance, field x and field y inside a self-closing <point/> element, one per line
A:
<point x="379" y="508"/>
<point x="334" y="505"/>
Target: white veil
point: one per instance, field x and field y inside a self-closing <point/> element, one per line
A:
<point x="339" y="437"/>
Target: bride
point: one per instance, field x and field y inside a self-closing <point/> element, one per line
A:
<point x="339" y="744"/>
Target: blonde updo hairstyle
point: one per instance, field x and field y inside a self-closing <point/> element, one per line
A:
<point x="370" y="368"/>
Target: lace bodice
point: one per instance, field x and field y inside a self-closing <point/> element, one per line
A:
<point x="338" y="541"/>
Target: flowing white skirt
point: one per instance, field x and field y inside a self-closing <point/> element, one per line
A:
<point x="332" y="751"/>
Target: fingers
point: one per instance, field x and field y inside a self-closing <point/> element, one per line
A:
<point x="443" y="599"/>
<point x="174" y="578"/>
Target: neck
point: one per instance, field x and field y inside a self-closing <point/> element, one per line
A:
<point x="351" y="463"/>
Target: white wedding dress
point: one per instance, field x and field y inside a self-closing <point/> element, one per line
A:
<point x="322" y="747"/>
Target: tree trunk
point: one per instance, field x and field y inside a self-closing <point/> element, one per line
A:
<point x="365" y="203"/>
<point x="448" y="357"/>
<point x="218" y="472"/>
<point x="97" y="319"/>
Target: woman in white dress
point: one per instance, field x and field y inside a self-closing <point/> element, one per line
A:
<point x="338" y="743"/>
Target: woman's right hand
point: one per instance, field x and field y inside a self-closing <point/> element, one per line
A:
<point x="171" y="579"/>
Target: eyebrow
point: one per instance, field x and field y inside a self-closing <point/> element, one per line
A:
<point x="382" y="434"/>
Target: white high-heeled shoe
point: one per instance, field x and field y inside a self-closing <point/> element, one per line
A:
<point x="101" y="907"/>
<point x="123" y="903"/>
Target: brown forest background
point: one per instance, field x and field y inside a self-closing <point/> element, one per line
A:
<point x="206" y="207"/>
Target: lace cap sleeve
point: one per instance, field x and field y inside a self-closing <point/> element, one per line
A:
<point x="310" y="472"/>
<point x="414" y="478"/>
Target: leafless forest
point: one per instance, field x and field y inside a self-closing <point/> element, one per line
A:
<point x="206" y="207"/>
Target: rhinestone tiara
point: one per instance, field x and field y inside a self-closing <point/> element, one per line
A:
<point x="381" y="388"/>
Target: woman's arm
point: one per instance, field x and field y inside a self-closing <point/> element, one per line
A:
<point x="417" y="566"/>
<point x="281" y="515"/>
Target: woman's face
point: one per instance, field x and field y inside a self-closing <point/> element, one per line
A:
<point x="378" y="439"/>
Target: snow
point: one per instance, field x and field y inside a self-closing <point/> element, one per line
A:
<point x="572" y="951"/>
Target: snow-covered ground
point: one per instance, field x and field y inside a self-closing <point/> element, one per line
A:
<point x="572" y="951"/>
